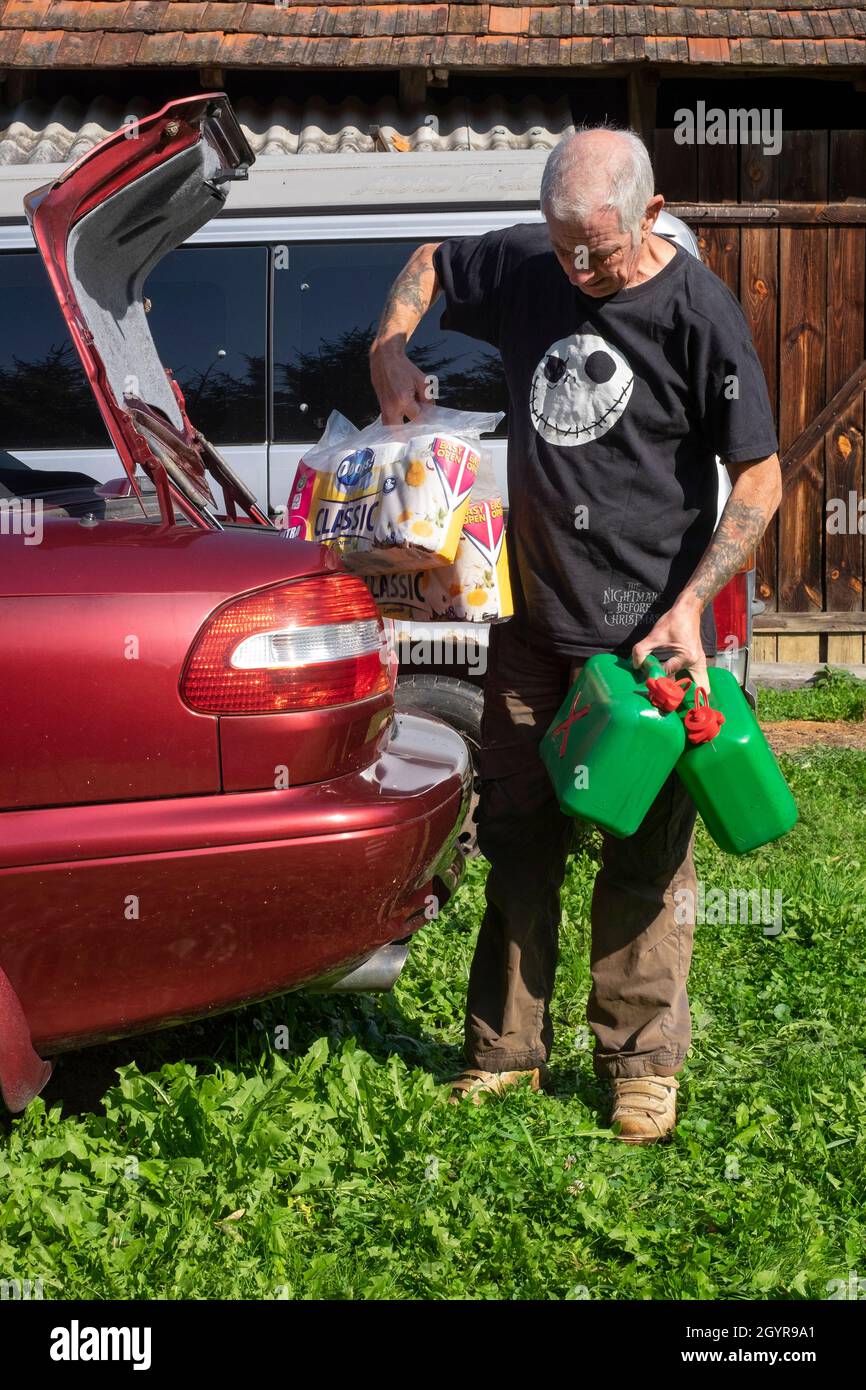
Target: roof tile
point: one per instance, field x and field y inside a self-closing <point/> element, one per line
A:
<point x="841" y="21"/>
<point x="544" y="21"/>
<point x="463" y="19"/>
<point x="738" y="23"/>
<point x="793" y="49"/>
<point x="198" y="50"/>
<point x="707" y="50"/>
<point x="225" y="17"/>
<point x="508" y="21"/>
<point x="750" y="51"/>
<point x="158" y="50"/>
<point x="25" y="14"/>
<point x="799" y="24"/>
<point x="182" y="16"/>
<point x="822" y="24"/>
<point x="593" y="20"/>
<point x="78" y="50"/>
<point x="141" y="15"/>
<point x="836" y="50"/>
<point x="71" y="14"/>
<point x="117" y="50"/>
<point x="10" y="41"/>
<point x="274" y="19"/>
<point x="696" y="23"/>
<point x="717" y="23"/>
<point x="759" y="24"/>
<point x="677" y="20"/>
<point x="242" y="49"/>
<point x="539" y="51"/>
<point x="635" y="20"/>
<point x="37" y="48"/>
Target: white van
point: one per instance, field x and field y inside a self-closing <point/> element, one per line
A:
<point x="265" y="316"/>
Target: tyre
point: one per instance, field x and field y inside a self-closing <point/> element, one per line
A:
<point x="459" y="704"/>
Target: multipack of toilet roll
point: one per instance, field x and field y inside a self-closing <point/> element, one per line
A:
<point x="390" y="498"/>
<point x="474" y="588"/>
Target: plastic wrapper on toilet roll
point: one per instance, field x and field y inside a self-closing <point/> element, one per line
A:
<point x="474" y="588"/>
<point x="390" y="498"/>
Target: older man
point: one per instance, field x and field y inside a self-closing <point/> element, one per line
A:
<point x="629" y="367"/>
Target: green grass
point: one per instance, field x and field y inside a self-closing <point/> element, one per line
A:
<point x="836" y="694"/>
<point x="215" y="1166"/>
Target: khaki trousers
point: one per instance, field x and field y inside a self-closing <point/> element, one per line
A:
<point x="638" y="1007"/>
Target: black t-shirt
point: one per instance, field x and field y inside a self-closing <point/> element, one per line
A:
<point x="618" y="407"/>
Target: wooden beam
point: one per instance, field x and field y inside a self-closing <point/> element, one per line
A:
<point x="774" y="214"/>
<point x="412" y="88"/>
<point x="795" y="457"/>
<point x="643" y="85"/>
<point x="808" y="623"/>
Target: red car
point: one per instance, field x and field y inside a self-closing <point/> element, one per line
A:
<point x="206" y="796"/>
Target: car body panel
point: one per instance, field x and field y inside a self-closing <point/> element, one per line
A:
<point x="106" y="613"/>
<point x="101" y="228"/>
<point x="124" y="918"/>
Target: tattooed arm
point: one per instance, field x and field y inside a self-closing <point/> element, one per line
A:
<point x="399" y="385"/>
<point x="756" y="494"/>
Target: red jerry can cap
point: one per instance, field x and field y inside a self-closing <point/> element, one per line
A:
<point x="666" y="693"/>
<point x="702" y="721"/>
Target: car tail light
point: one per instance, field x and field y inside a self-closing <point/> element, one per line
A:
<point x="302" y="645"/>
<point x="731" y="612"/>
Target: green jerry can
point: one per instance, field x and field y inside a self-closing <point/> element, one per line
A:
<point x="610" y="749"/>
<point x="729" y="769"/>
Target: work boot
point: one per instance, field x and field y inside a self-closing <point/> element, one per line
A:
<point x="474" y="1085"/>
<point x="644" y="1108"/>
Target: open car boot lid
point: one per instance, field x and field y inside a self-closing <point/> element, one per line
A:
<point x="101" y="227"/>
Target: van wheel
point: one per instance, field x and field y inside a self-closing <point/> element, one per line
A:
<point x="459" y="704"/>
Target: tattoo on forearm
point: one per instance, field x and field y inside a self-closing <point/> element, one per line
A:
<point x="411" y="290"/>
<point x="739" y="532"/>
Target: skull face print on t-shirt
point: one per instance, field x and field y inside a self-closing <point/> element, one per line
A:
<point x="580" y="388"/>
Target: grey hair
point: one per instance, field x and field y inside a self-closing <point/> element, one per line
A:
<point x="631" y="182"/>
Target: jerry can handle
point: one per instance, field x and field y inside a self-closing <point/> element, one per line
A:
<point x="651" y="666"/>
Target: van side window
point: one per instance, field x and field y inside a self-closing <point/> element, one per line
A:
<point x="327" y="300"/>
<point x="45" y="401"/>
<point x="208" y="318"/>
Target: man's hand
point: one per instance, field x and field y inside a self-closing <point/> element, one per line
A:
<point x="400" y="387"/>
<point x="756" y="494"/>
<point x="680" y="630"/>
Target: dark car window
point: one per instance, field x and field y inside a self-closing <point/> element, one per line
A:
<point x="327" y="302"/>
<point x="209" y="323"/>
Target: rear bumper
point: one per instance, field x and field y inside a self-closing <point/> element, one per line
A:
<point x="115" y="919"/>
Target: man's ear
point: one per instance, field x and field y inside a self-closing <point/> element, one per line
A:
<point x="653" y="208"/>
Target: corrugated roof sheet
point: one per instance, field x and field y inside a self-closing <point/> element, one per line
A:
<point x="425" y="33"/>
<point x="35" y="133"/>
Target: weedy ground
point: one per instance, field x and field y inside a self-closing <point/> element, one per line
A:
<point x="208" y="1162"/>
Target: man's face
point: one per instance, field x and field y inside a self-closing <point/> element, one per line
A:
<point x="609" y="259"/>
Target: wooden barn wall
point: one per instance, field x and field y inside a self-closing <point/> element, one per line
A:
<point x="802" y="289"/>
